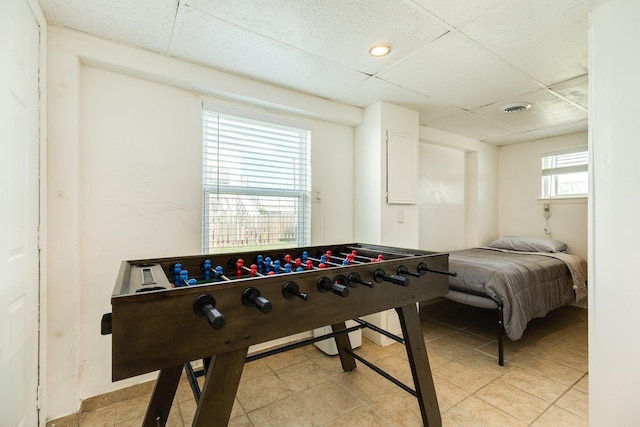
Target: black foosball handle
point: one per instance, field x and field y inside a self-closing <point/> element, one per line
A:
<point x="404" y="271"/>
<point x="251" y="298"/>
<point x="291" y="290"/>
<point x="325" y="285"/>
<point x="379" y="276"/>
<point x="423" y="269"/>
<point x="355" y="278"/>
<point x="205" y="305"/>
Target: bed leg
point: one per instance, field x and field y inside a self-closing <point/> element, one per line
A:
<point x="500" y="336"/>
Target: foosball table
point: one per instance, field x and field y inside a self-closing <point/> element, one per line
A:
<point x="168" y="312"/>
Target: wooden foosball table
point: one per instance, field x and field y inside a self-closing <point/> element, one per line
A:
<point x="168" y="312"/>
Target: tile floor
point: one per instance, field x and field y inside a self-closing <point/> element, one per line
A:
<point x="544" y="381"/>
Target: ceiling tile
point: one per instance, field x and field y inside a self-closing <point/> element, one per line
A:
<point x="373" y="89"/>
<point x="456" y="12"/>
<point x="563" y="129"/>
<point x="472" y="126"/>
<point x="545" y="38"/>
<point x="512" y="139"/>
<point x="546" y="110"/>
<point x="576" y="90"/>
<point x="142" y="23"/>
<point x="207" y="40"/>
<point x="342" y="31"/>
<point x="457" y="71"/>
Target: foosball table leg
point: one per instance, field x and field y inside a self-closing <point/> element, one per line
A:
<point x="219" y="390"/>
<point x="419" y="362"/>
<point x="344" y="347"/>
<point x="162" y="397"/>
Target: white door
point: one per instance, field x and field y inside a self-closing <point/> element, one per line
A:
<point x="19" y="214"/>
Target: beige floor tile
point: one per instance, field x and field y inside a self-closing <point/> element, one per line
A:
<point x="531" y="382"/>
<point x="316" y="406"/>
<point x="553" y="370"/>
<point x="447" y="393"/>
<point x="469" y="377"/>
<point x="522" y="405"/>
<point x="261" y="391"/>
<point x="302" y="376"/>
<point x="566" y="358"/>
<point x="363" y="382"/>
<point x="188" y="411"/>
<point x="558" y="417"/>
<point x="132" y="408"/>
<point x="478" y="413"/>
<point x="399" y="407"/>
<point x="583" y="384"/>
<point x="432" y="330"/>
<point x="103" y="417"/>
<point x="575" y="402"/>
<point x="254" y="369"/>
<point x="361" y="416"/>
<point x="242" y="421"/>
<point x="288" y="358"/>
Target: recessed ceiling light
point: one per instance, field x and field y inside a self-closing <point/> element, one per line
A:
<point x="380" y="50"/>
<point x="514" y="107"/>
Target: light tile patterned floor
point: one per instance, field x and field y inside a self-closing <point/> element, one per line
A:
<point x="544" y="381"/>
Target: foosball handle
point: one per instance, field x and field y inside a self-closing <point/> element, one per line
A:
<point x="404" y="271"/>
<point x="205" y="305"/>
<point x="423" y="269"/>
<point x="379" y="276"/>
<point x="291" y="289"/>
<point x="355" y="278"/>
<point x="325" y="285"/>
<point x="251" y="298"/>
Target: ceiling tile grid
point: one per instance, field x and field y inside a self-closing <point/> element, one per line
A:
<point x="142" y="23"/>
<point x="342" y="31"/>
<point x="457" y="71"/>
<point x="453" y="61"/>
<point x="546" y="38"/>
<point x="208" y="40"/>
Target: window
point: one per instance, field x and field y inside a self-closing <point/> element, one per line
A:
<point x="565" y="173"/>
<point x="256" y="182"/>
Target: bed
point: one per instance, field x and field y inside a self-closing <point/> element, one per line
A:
<point x="520" y="277"/>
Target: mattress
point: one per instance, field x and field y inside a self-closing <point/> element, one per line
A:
<point x="526" y="284"/>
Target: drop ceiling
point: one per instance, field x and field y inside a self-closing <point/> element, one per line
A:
<point x="456" y="62"/>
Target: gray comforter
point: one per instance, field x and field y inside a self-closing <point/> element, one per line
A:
<point x="528" y="285"/>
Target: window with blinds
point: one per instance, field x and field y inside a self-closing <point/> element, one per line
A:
<point x="565" y="173"/>
<point x="256" y="183"/>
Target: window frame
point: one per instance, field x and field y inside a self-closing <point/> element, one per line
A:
<point x="552" y="168"/>
<point x="299" y="197"/>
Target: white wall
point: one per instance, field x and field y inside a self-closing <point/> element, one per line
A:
<point x="441" y="198"/>
<point x="614" y="228"/>
<point x="520" y="207"/>
<point x="124" y="182"/>
<point x="480" y="182"/>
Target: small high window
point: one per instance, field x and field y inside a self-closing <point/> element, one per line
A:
<point x="565" y="173"/>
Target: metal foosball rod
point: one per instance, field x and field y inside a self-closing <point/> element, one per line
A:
<point x="354" y="253"/>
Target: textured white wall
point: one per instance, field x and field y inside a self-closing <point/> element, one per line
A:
<point x="124" y="182"/>
<point x="614" y="254"/>
<point x="520" y="190"/>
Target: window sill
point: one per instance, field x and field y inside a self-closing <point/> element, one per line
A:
<point x="578" y="200"/>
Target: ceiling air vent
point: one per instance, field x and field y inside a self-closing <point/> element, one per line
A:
<point x="515" y="107"/>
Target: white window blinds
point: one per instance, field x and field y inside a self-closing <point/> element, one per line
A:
<point x="256" y="183"/>
<point x="565" y="173"/>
